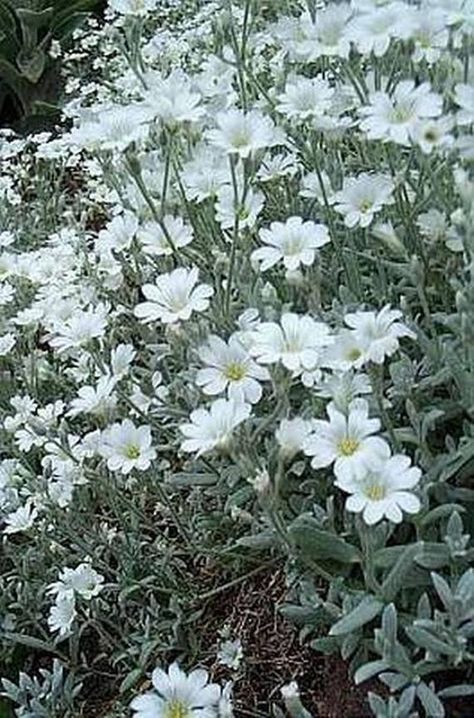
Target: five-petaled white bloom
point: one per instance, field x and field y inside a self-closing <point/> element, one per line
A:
<point x="21" y="519"/>
<point x="119" y="232"/>
<point x="243" y="133"/>
<point x="178" y="695"/>
<point x="346" y="441"/>
<point x="127" y="447"/>
<point x="362" y="197"/>
<point x="83" y="580"/>
<point x="394" y="117"/>
<point x="212" y="428"/>
<point x="297" y="342"/>
<point x="305" y="97"/>
<point x="377" y="333"/>
<point x="382" y="490"/>
<point x="96" y="399"/>
<point x="230" y="367"/>
<point x="294" y="242"/>
<point x="80" y="328"/>
<point x="246" y="210"/>
<point x="174" y="297"/>
<point x="159" y="239"/>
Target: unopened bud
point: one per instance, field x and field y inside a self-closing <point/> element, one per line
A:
<point x="294" y="277"/>
<point x="385" y="232"/>
<point x="416" y="270"/>
<point x="462" y="303"/>
<point x="260" y="482"/>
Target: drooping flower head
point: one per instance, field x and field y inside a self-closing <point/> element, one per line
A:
<point x="212" y="428"/>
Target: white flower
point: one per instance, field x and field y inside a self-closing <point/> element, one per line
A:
<point x="243" y="133"/>
<point x="378" y="333"/>
<point x="297" y="342"/>
<point x="292" y="435"/>
<point x="225" y="708"/>
<point x="94" y="399"/>
<point x="205" y="174"/>
<point x="275" y="166"/>
<point x="464" y="98"/>
<point x="247" y="210"/>
<point x="62" y="615"/>
<point x="260" y="482"/>
<point x="212" y="428"/>
<point x="343" y="388"/>
<point x="174" y="297"/>
<point x="362" y="197"/>
<point x="133" y="7"/>
<point x="119" y="233"/>
<point x="346" y="441"/>
<point x="247" y="322"/>
<point x="373" y="31"/>
<point x="83" y="580"/>
<point x="20" y="520"/>
<point x="393" y="117"/>
<point x="290" y="691"/>
<point x="433" y="225"/>
<point x="330" y="32"/>
<point x="430" y="35"/>
<point x="156" y="240"/>
<point x="113" y="128"/>
<point x="305" y="97"/>
<point x="7" y="342"/>
<point x="172" y="99"/>
<point x="230" y="654"/>
<point x="127" y="447"/>
<point x="80" y="328"/>
<point x="177" y="695"/>
<point x="230" y="367"/>
<point x="311" y="187"/>
<point x="433" y="134"/>
<point x="121" y="358"/>
<point x="381" y="491"/>
<point x="346" y="352"/>
<point x="294" y="242"/>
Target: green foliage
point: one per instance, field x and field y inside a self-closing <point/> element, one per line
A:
<point x="27" y="70"/>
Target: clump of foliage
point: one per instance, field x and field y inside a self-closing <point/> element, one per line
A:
<point x="28" y="34"/>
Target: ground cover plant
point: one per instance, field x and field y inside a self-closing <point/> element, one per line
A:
<point x="31" y="36"/>
<point x="237" y="363"/>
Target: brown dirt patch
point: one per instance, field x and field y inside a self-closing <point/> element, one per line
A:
<point x="273" y="655"/>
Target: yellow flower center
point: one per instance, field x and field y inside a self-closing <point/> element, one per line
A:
<point x="177" y="709"/>
<point x="243" y="213"/>
<point x="402" y="114"/>
<point x="240" y="139"/>
<point x="132" y="452"/>
<point x="353" y="354"/>
<point x="375" y="492"/>
<point x="235" y="372"/>
<point x="365" y="205"/>
<point x="348" y="446"/>
<point x="430" y="136"/>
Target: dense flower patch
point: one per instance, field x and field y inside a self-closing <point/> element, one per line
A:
<point x="237" y="298"/>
